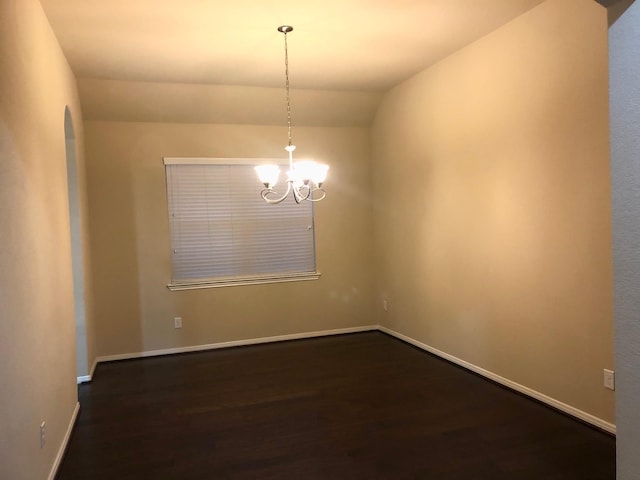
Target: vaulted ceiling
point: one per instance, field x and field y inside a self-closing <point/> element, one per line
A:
<point x="364" y="46"/>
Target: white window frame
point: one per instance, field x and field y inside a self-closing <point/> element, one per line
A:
<point x="245" y="279"/>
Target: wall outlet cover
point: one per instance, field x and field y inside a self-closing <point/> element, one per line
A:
<point x="609" y="379"/>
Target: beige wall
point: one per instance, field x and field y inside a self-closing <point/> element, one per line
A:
<point x="492" y="220"/>
<point x="130" y="238"/>
<point x="37" y="344"/>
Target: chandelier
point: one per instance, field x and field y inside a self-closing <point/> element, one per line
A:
<point x="304" y="178"/>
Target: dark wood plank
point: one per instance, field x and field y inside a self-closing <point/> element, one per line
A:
<point x="362" y="406"/>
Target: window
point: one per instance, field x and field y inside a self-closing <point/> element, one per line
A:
<point x="223" y="233"/>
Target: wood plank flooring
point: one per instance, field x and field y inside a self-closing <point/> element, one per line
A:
<point x="360" y="406"/>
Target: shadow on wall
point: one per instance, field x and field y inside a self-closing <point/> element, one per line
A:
<point x="114" y="248"/>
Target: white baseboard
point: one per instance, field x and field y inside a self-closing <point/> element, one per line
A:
<point x="557" y="404"/>
<point x="65" y="442"/>
<point x="236" y="343"/>
<point x="87" y="378"/>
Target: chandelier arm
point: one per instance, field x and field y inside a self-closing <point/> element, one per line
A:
<point x="311" y="198"/>
<point x="301" y="193"/>
<point x="269" y="191"/>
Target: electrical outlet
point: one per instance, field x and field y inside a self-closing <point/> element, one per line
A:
<point x="609" y="379"/>
<point x="43" y="434"/>
<point x="177" y="322"/>
<point x="385" y="304"/>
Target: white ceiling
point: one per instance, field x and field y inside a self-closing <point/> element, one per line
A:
<point x="361" y="45"/>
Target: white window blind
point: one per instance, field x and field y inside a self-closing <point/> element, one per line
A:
<point x="223" y="233"/>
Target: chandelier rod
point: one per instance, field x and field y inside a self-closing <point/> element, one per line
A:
<point x="286" y="29"/>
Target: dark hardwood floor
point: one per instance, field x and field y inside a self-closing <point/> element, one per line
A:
<point x="361" y="406"/>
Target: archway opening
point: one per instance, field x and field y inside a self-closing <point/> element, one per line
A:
<point x="75" y="226"/>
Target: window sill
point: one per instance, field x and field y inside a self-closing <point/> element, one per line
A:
<point x="235" y="282"/>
